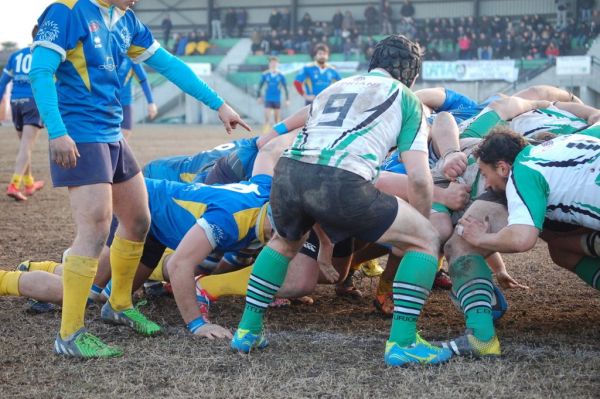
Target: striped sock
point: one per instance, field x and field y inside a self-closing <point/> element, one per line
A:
<point x="472" y="281"/>
<point x="588" y="269"/>
<point x="411" y="288"/>
<point x="267" y="276"/>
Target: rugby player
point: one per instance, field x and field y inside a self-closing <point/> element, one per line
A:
<point x="275" y="82"/>
<point x="75" y="81"/>
<point x="351" y="127"/>
<point x="316" y="77"/>
<point x="26" y="120"/>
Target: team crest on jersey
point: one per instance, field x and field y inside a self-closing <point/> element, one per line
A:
<point x="94" y="26"/>
<point x="48" y="31"/>
<point x="126" y="37"/>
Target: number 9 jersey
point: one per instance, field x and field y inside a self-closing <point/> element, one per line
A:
<point x="354" y="123"/>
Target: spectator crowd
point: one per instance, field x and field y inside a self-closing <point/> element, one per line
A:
<point x="484" y="38"/>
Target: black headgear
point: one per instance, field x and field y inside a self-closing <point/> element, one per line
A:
<point x="399" y="56"/>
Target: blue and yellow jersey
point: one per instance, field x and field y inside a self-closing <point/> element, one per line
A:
<point x="275" y="83"/>
<point x="194" y="168"/>
<point x="17" y="70"/>
<point x="127" y="71"/>
<point x="232" y="215"/>
<point x="316" y="79"/>
<point x="93" y="40"/>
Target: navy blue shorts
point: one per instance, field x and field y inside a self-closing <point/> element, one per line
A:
<point x="25" y="112"/>
<point x="127" y="122"/>
<point x="98" y="163"/>
<point x="273" y="104"/>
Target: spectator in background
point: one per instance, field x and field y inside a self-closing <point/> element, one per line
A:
<point x="202" y="44"/>
<point x="336" y="22"/>
<point x="181" y="45"/>
<point x="256" y="40"/>
<point x="562" y="7"/>
<point x="241" y="20"/>
<point x="351" y="50"/>
<point x="369" y="47"/>
<point x="348" y="23"/>
<point x="386" y="18"/>
<point x="215" y="24"/>
<point x="190" y="47"/>
<point x="371" y="18"/>
<point x="166" y="26"/>
<point x="230" y="21"/>
<point x="306" y="22"/>
<point x="585" y="10"/>
<point x="407" y="10"/>
<point x="552" y="51"/>
<point x="274" y="19"/>
<point x="407" y="28"/>
<point x="286" y="20"/>
<point x="275" y="44"/>
<point x="484" y="46"/>
<point x="464" y="47"/>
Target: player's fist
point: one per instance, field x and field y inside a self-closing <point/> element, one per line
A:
<point x="152" y="111"/>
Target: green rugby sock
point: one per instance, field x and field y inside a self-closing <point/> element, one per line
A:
<point x="588" y="269"/>
<point x="472" y="285"/>
<point x="267" y="276"/>
<point x="411" y="288"/>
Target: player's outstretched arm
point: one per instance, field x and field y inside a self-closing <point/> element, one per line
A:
<point x="590" y="114"/>
<point x="192" y="250"/>
<point x="44" y="64"/>
<point x="183" y="77"/>
<point x="292" y="122"/>
<point x="545" y="92"/>
<point x="510" y="239"/>
<point x="510" y="107"/>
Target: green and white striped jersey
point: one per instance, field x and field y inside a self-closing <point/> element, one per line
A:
<point x="558" y="180"/>
<point x="354" y="123"/>
<point x="551" y="119"/>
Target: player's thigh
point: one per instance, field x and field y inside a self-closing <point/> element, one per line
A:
<point x="92" y="211"/>
<point x="130" y="201"/>
<point x="411" y="231"/>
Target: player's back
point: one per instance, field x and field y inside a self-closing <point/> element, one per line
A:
<point x="18" y="67"/>
<point x="231" y="209"/>
<point x="355" y="122"/>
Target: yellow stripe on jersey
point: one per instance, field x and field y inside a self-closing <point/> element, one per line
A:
<point x="77" y="58"/>
<point x="187" y="177"/>
<point x="68" y="3"/>
<point x="197" y="209"/>
<point x="245" y="220"/>
<point x="135" y="51"/>
<point x="308" y="83"/>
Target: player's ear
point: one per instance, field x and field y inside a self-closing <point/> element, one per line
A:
<point x="503" y="168"/>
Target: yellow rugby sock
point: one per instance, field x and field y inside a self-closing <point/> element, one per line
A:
<point x="226" y="284"/>
<point x="9" y="283"/>
<point x="78" y="276"/>
<point x="16" y="180"/>
<point x="124" y="260"/>
<point x="157" y="273"/>
<point x="28" y="180"/>
<point x="45" y="266"/>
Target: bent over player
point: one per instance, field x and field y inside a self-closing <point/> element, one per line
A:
<point x="352" y="126"/>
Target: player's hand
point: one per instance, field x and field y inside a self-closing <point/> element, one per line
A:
<point x="309" y="97"/>
<point x="329" y="273"/>
<point x="594" y="118"/>
<point x="506" y="281"/>
<point x="455" y="164"/>
<point x="231" y="119"/>
<point x="456" y="196"/>
<point x="472" y="230"/>
<point x="152" y="111"/>
<point x="63" y="151"/>
<point x="212" y="331"/>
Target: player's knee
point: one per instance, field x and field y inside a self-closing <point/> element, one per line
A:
<point x="455" y="247"/>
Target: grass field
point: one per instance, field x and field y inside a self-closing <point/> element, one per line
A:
<point x="550" y="335"/>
